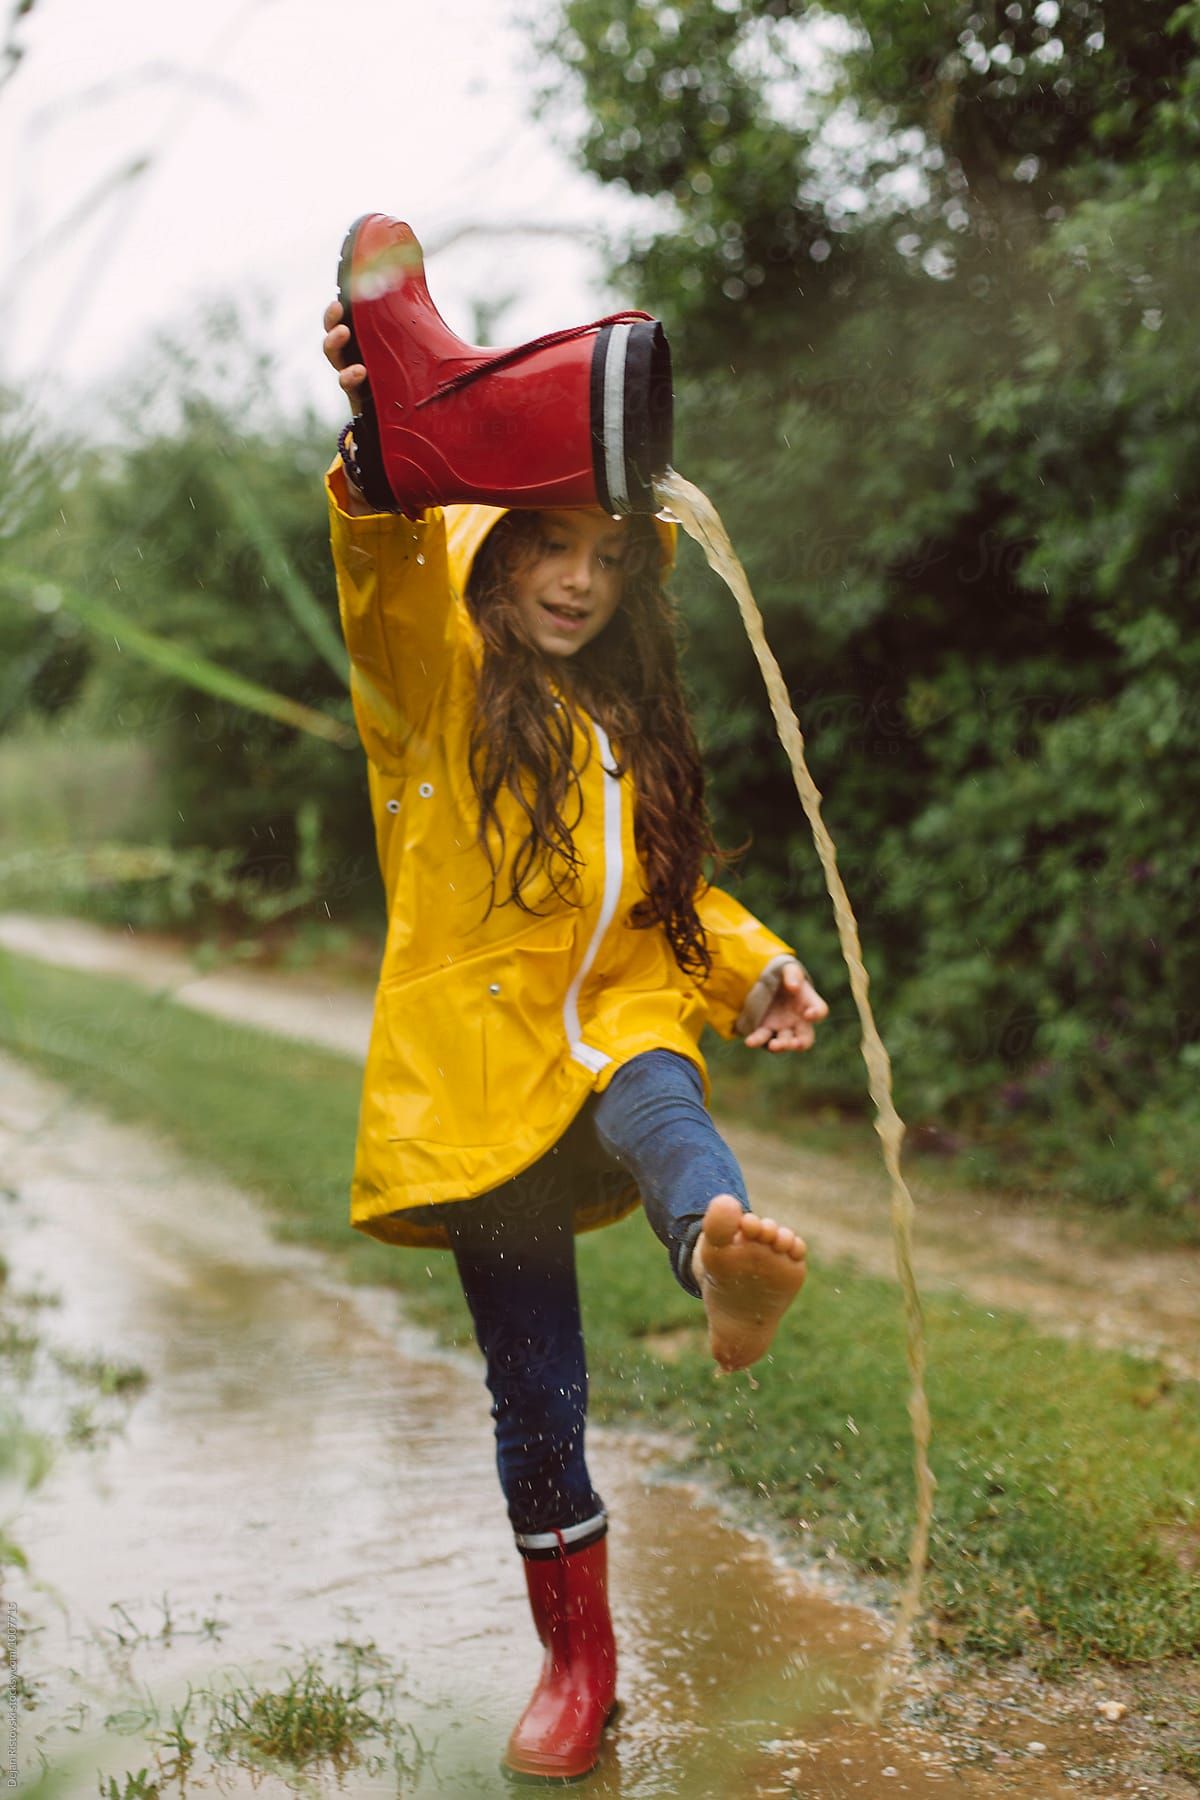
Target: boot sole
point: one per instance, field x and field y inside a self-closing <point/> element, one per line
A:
<point x="524" y="1778"/>
<point x="366" y="426"/>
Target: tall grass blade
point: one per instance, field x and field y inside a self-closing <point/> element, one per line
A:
<point x="174" y="659"/>
<point x="298" y="596"/>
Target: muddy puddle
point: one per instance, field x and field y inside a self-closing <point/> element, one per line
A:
<point x="305" y="1478"/>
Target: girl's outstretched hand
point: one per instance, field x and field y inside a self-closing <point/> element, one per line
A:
<point x="788" y="1022"/>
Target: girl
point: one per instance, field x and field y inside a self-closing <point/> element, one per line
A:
<point x="553" y="952"/>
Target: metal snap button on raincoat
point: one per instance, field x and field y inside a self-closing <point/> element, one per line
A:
<point x="492" y="1028"/>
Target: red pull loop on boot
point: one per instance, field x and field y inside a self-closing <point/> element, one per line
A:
<point x="578" y="417"/>
<point x="558" y="1734"/>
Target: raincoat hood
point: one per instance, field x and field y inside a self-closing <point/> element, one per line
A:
<point x="468" y="526"/>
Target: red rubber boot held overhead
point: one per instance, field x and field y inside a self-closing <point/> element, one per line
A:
<point x="579" y="417"/>
<point x="558" y="1735"/>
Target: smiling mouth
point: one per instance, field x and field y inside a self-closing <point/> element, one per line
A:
<point x="564" y="615"/>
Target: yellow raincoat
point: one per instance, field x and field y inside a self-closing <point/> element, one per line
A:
<point x="491" y="1030"/>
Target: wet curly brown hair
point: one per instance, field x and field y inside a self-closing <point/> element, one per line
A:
<point x="628" y="679"/>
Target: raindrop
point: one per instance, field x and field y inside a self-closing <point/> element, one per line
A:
<point x="421" y="558"/>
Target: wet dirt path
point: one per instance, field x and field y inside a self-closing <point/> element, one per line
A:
<point x="1022" y="1259"/>
<point x="306" y="1469"/>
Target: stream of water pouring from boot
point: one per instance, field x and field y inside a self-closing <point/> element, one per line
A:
<point x="700" y="519"/>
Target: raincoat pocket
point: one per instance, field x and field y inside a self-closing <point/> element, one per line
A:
<point x="524" y="1032"/>
<point x="467" y="1044"/>
<point x="433" y="1078"/>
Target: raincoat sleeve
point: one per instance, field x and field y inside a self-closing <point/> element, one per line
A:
<point x="398" y="615"/>
<point x="747" y="960"/>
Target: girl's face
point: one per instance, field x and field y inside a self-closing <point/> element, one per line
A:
<point x="569" y="588"/>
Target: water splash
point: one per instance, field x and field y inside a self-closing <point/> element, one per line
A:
<point x="692" y="509"/>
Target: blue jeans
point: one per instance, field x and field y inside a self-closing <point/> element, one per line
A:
<point x="515" y="1251"/>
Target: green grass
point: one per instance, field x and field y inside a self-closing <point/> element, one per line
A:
<point x="62" y="789"/>
<point x="140" y="1786"/>
<point x="292" y="1724"/>
<point x="309" y="1720"/>
<point x="1069" y="1477"/>
<point x="108" y="1375"/>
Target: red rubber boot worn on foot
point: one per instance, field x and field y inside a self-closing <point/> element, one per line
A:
<point x="580" y="417"/>
<point x="558" y="1735"/>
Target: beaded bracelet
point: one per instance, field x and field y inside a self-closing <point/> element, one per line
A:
<point x="350" y="457"/>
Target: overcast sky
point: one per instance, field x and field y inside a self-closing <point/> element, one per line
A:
<point x="269" y="125"/>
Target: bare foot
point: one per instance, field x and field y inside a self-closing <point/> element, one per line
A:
<point x="748" y="1270"/>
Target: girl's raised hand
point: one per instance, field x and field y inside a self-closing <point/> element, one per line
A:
<point x="352" y="377"/>
<point x="788" y="1022"/>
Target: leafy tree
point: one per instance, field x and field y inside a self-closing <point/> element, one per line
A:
<point x="174" y="590"/>
<point x="929" y="295"/>
<point x="43" y="654"/>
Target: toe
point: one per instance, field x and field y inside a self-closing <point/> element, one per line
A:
<point x="722" y="1219"/>
<point x="769" y="1231"/>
